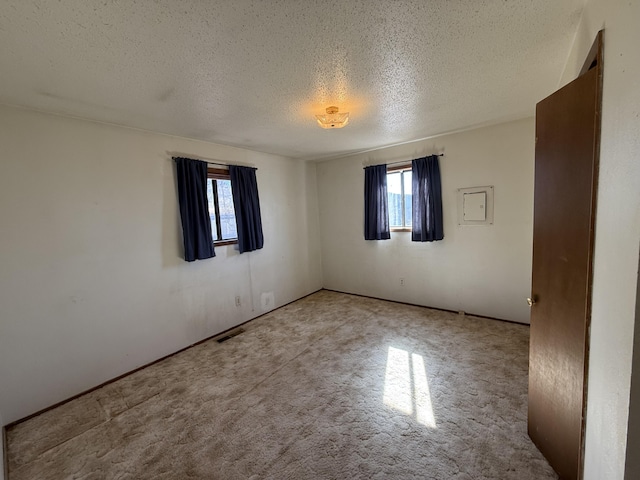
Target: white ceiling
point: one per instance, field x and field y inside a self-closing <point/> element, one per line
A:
<point x="254" y="73"/>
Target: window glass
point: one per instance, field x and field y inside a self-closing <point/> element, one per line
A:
<point x="212" y="210"/>
<point x="394" y="193"/>
<point x="407" y="177"/>
<point x="227" y="212"/>
<point x="220" y="200"/>
<point x="399" y="198"/>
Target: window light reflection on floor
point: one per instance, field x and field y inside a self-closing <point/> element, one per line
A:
<point x="406" y="387"/>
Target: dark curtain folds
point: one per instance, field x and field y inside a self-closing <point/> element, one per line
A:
<point x="427" y="200"/>
<point x="244" y="188"/>
<point x="376" y="208"/>
<point x="194" y="209"/>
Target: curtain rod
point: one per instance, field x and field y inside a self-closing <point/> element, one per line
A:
<point x="407" y="161"/>
<point x="217" y="163"/>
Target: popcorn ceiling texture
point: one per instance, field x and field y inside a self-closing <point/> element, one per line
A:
<point x="254" y="73"/>
<point x="301" y="395"/>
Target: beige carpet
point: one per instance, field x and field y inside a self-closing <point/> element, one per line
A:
<point x="332" y="386"/>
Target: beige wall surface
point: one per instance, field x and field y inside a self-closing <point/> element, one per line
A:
<point x="92" y="282"/>
<point x="617" y="234"/>
<point x="484" y="270"/>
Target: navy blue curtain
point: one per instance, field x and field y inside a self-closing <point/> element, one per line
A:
<point x="427" y="200"/>
<point x="194" y="209"/>
<point x="244" y="189"/>
<point x="376" y="207"/>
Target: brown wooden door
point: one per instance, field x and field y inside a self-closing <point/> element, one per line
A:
<point x="567" y="143"/>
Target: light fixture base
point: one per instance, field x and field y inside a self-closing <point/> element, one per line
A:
<point x="333" y="119"/>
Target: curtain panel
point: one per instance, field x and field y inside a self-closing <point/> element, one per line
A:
<point x="244" y="188"/>
<point x="194" y="209"/>
<point x="427" y="200"/>
<point x="376" y="208"/>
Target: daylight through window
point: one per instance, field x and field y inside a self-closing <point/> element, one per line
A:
<point x="399" y="196"/>
<point x="221" y="211"/>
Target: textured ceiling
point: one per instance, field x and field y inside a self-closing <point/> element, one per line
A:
<point x="254" y="73"/>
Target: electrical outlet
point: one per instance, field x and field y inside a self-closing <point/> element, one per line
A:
<point x="237" y="300"/>
<point x="402" y="282"/>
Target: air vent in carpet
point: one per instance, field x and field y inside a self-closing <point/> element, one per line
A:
<point x="231" y="334"/>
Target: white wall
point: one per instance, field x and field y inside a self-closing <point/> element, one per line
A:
<point x="617" y="233"/>
<point x="92" y="283"/>
<point x="484" y="270"/>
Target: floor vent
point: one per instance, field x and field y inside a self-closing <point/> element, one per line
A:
<point x="231" y="334"/>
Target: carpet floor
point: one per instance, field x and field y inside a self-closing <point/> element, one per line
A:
<point x="332" y="386"/>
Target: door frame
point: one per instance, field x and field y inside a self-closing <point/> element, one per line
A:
<point x="593" y="60"/>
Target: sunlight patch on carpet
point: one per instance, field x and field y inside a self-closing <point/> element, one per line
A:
<point x="406" y="387"/>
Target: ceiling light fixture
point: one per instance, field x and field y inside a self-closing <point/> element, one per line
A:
<point x="333" y="119"/>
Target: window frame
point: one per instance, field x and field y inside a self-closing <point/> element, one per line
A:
<point x="394" y="169"/>
<point x="219" y="174"/>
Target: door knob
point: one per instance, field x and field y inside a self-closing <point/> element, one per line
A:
<point x="531" y="301"/>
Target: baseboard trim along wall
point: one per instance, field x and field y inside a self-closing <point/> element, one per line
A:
<point x="221" y="334"/>
<point x="427" y="306"/>
<point x="211" y="337"/>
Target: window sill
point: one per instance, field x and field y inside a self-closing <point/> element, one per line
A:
<point x="222" y="243"/>
<point x="400" y="229"/>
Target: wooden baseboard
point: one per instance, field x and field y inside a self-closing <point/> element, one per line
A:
<point x="211" y="337"/>
<point x="427" y="306"/>
<point x="219" y="335"/>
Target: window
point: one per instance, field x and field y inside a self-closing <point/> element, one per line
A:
<point x="399" y="196"/>
<point x="221" y="211"/>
